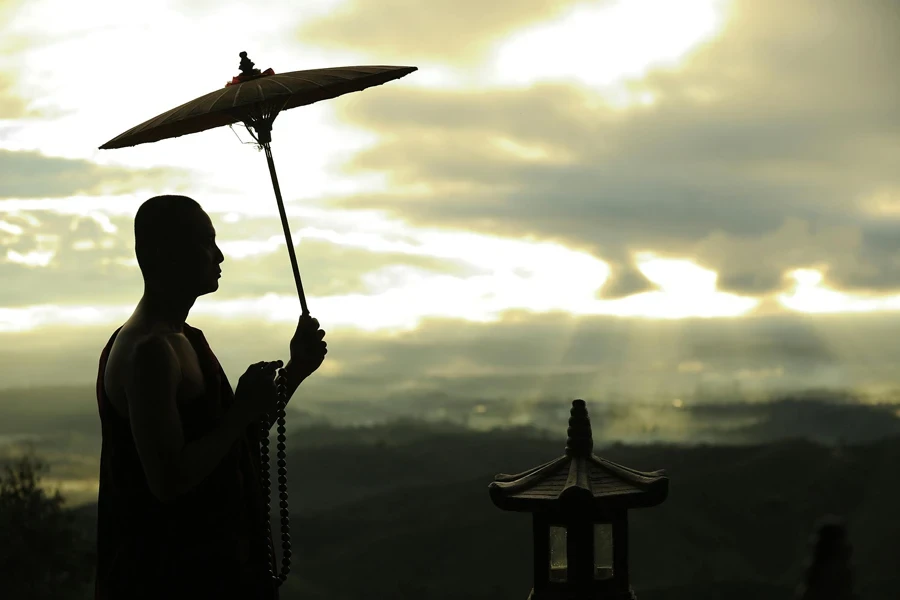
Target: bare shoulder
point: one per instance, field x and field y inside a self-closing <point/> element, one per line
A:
<point x="135" y="350"/>
<point x="148" y="351"/>
<point x="134" y="344"/>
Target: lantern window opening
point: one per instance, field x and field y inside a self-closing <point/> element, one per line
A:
<point x="559" y="555"/>
<point x="603" y="551"/>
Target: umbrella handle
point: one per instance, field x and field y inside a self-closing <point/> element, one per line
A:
<point x="279" y="414"/>
<point x="287" y="229"/>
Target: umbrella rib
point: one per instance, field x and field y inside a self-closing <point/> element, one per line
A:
<point x="225" y="91"/>
<point x="282" y="85"/>
<point x="263" y="102"/>
<point x="304" y="79"/>
<point x="175" y="115"/>
<point x="262" y="99"/>
<point x="337" y="71"/>
<point x="161" y="119"/>
<point x="280" y="108"/>
<point x="269" y="102"/>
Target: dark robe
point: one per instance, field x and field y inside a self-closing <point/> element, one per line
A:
<point x="210" y="542"/>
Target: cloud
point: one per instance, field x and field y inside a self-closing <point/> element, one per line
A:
<point x="326" y="269"/>
<point x="12" y="106"/>
<point x="30" y="174"/>
<point x="626" y="280"/>
<point x="460" y="32"/>
<point x="14" y="46"/>
<point x="68" y="274"/>
<point x="755" y="157"/>
<point x="523" y="356"/>
<point x="89" y="259"/>
<point x="795" y="243"/>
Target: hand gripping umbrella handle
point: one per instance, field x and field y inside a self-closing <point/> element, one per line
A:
<point x="287" y="229"/>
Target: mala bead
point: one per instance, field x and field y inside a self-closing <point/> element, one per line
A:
<point x="282" y="482"/>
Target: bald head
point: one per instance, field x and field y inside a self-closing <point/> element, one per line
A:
<point x="171" y="233"/>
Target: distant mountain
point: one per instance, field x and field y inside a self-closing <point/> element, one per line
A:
<point x="64" y="418"/>
<point x="404" y="519"/>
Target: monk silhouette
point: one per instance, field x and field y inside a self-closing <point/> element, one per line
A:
<point x="181" y="508"/>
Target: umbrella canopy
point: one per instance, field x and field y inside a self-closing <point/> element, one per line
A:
<point x="256" y="99"/>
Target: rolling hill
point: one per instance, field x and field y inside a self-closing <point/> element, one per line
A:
<point x="409" y="516"/>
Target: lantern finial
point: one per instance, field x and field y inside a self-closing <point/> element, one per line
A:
<point x="580" y="441"/>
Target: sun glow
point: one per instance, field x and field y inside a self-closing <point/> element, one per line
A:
<point x="506" y="274"/>
<point x="35" y="258"/>
<point x="811" y="295"/>
<point x="604" y="43"/>
<point x="686" y="290"/>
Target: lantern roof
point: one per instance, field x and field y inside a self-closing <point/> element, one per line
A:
<point x="579" y="477"/>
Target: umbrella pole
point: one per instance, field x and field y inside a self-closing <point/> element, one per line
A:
<point x="287" y="229"/>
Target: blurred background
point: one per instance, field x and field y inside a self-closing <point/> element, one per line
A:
<point x="686" y="213"/>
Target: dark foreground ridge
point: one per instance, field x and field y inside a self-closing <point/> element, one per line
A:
<point x="410" y="517"/>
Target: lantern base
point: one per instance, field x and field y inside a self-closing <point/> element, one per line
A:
<point x="573" y="595"/>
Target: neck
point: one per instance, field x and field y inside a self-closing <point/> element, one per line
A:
<point x="167" y="307"/>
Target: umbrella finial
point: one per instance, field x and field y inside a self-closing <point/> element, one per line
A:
<point x="247" y="65"/>
<point x="247" y="71"/>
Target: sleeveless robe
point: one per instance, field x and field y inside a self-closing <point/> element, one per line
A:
<point x="210" y="542"/>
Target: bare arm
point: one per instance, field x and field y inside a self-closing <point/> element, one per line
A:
<point x="171" y="466"/>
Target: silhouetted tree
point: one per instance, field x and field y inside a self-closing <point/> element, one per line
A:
<point x="42" y="554"/>
<point x="829" y="575"/>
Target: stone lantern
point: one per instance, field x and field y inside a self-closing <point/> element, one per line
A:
<point x="579" y="504"/>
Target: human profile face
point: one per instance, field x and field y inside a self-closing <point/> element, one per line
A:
<point x="210" y="257"/>
<point x="193" y="257"/>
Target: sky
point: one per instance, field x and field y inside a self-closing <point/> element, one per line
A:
<point x="638" y="197"/>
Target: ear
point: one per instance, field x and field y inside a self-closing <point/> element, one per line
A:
<point x="164" y="257"/>
<point x="158" y="256"/>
